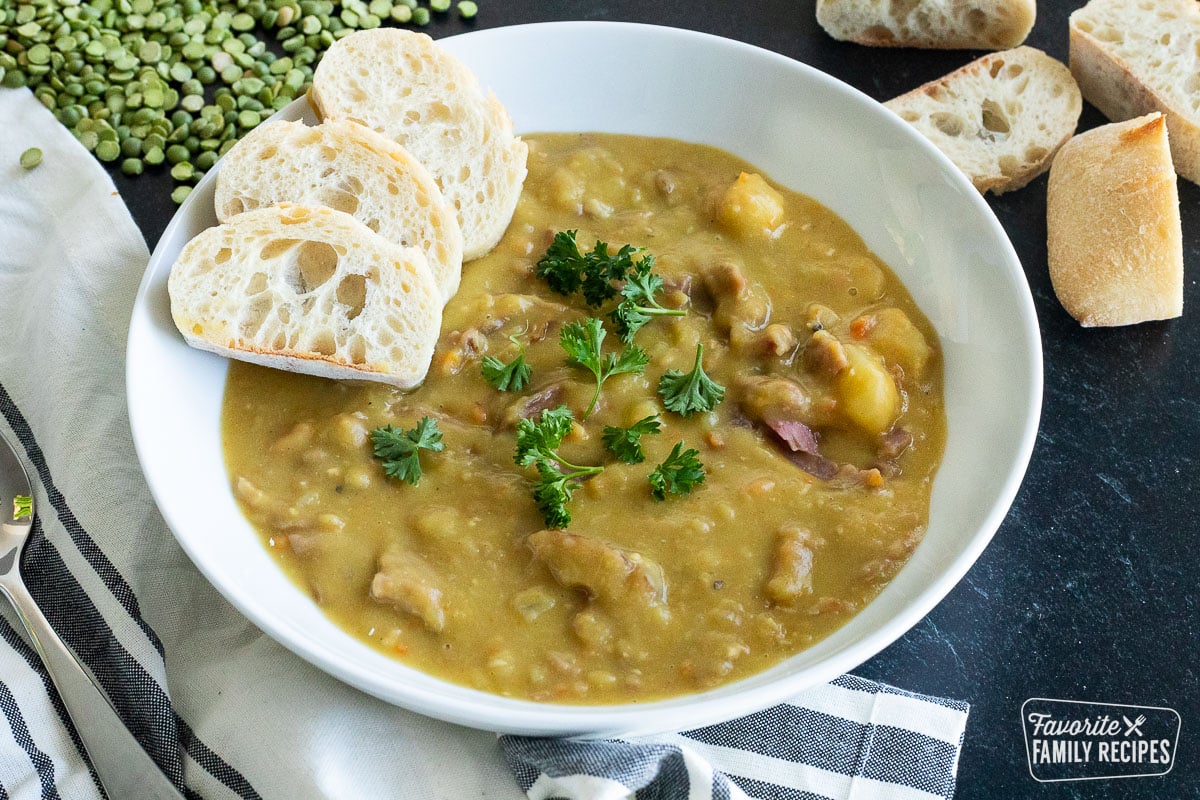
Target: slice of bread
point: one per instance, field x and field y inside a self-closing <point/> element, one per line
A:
<point x="1000" y="119"/>
<point x="403" y="85"/>
<point x="350" y="168"/>
<point x="1132" y="57"/>
<point x="1112" y="224"/>
<point x="308" y="289"/>
<point x="962" y="24"/>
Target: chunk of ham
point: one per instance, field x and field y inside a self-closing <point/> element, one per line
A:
<point x="791" y="571"/>
<point x="408" y="582"/>
<point x="610" y="574"/>
<point x="741" y="309"/>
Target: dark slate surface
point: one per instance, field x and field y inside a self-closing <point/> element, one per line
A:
<point x="1089" y="589"/>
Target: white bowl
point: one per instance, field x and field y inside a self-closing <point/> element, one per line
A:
<point x="804" y="129"/>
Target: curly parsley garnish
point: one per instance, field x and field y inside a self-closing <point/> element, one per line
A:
<point x="626" y="443"/>
<point x="537" y="445"/>
<point x="399" y="450"/>
<point x="678" y="474"/>
<point x="510" y="377"/>
<point x="639" y="305"/>
<point x="687" y="393"/>
<point x="22" y="506"/>
<point x="566" y="269"/>
<point x="583" y="342"/>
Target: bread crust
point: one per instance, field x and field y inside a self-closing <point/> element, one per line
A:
<point x="1119" y="90"/>
<point x="1114" y="241"/>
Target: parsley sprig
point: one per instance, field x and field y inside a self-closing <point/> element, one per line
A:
<point x="510" y="377"/>
<point x="583" y="342"/>
<point x="626" y="443"/>
<point x="537" y="446"/>
<point x="22" y="506"/>
<point x="694" y="391"/>
<point x="680" y="473"/>
<point x="567" y="269"/>
<point x="639" y="305"/>
<point x="400" y="450"/>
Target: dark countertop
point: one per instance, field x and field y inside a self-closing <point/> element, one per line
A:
<point x="1089" y="589"/>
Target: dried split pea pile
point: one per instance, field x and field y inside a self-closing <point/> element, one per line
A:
<point x="150" y="83"/>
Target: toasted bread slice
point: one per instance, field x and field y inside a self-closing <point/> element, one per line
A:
<point x="969" y="25"/>
<point x="350" y="168"/>
<point x="1132" y="57"/>
<point x="308" y="289"/>
<point x="1112" y="224"/>
<point x="1000" y="119"/>
<point x="404" y="86"/>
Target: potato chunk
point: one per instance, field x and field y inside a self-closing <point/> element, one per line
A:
<point x="868" y="396"/>
<point x="750" y="207"/>
<point x="892" y="334"/>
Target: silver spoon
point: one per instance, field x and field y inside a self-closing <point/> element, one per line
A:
<point x="124" y="768"/>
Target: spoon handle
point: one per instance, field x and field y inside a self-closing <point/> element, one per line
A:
<point x="124" y="768"/>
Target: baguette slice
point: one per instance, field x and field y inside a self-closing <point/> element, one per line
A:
<point x="975" y="25"/>
<point x="1000" y="119"/>
<point x="308" y="289"/>
<point x="404" y="86"/>
<point x="1131" y="58"/>
<point x="349" y="168"/>
<point x="1112" y="224"/>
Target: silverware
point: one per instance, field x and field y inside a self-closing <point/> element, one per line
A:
<point x="124" y="768"/>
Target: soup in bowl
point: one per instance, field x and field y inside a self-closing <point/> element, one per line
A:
<point x="813" y="252"/>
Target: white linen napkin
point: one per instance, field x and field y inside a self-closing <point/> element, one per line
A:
<point x="232" y="714"/>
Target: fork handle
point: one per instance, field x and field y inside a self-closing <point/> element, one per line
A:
<point x="124" y="768"/>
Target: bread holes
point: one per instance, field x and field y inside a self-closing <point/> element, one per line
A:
<point x="275" y="249"/>
<point x="352" y="293"/>
<point x="295" y="216"/>
<point x="357" y="350"/>
<point x="237" y="205"/>
<point x="307" y="137"/>
<point x="338" y="200"/>
<point x="977" y="20"/>
<point x="1165" y="40"/>
<point x="373" y="224"/>
<point x="898" y="9"/>
<point x="994" y="69"/>
<point x="327" y="153"/>
<point x="316" y="262"/>
<point x="1009" y="165"/>
<point x="947" y="123"/>
<point x="267" y="152"/>
<point x="223" y="255"/>
<point x="257" y="283"/>
<point x="324" y="344"/>
<point x="1034" y="153"/>
<point x="412" y="116"/>
<point x="440" y="112"/>
<point x="393" y="189"/>
<point x="464" y="174"/>
<point x="256" y="314"/>
<point x="994" y="120"/>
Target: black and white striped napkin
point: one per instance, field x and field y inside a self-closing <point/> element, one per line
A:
<point x="849" y="738"/>
<point x="226" y="711"/>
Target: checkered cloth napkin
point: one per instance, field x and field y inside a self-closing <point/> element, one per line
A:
<point x="226" y="711"/>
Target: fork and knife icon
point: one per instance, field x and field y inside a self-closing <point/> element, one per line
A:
<point x="1133" y="726"/>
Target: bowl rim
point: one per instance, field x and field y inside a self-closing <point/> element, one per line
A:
<point x="493" y="712"/>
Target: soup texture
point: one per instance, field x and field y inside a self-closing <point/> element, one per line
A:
<point x="817" y="461"/>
